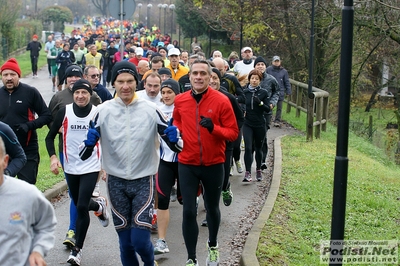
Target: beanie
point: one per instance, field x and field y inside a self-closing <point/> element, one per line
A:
<point x="123" y="67"/>
<point x="82" y="84"/>
<point x="164" y="71"/>
<point x="11" y="64"/>
<point x="216" y="71"/>
<point x="35" y="36"/>
<point x="73" y="71"/>
<point x="172" y="84"/>
<point x="258" y="60"/>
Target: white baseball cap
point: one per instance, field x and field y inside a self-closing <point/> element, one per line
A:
<point x="174" y="51"/>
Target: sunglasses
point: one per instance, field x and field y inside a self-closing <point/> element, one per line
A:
<point x="95" y="76"/>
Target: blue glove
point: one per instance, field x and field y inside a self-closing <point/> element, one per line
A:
<point x="172" y="132"/>
<point x="92" y="136"/>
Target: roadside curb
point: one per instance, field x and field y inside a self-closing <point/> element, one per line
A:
<point x="56" y="190"/>
<point x="249" y="257"/>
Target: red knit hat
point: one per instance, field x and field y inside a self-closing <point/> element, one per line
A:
<point x="35" y="36"/>
<point x="11" y="64"/>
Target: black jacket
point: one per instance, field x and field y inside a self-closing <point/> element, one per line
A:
<point x="254" y="112"/>
<point x="34" y="48"/>
<point x="21" y="107"/>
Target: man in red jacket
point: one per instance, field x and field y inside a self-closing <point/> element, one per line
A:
<point x="206" y="120"/>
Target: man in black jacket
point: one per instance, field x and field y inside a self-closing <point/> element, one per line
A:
<point x="34" y="47"/>
<point x="24" y="110"/>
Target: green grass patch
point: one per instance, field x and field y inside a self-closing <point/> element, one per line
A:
<point x="46" y="179"/>
<point x="301" y="217"/>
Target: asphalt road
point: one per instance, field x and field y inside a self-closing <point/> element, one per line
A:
<point x="101" y="244"/>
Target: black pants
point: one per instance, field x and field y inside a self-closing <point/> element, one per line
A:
<point x="29" y="172"/>
<point x="34" y="62"/>
<point x="49" y="66"/>
<point x="190" y="177"/>
<point x="253" y="139"/>
<point x="236" y="146"/>
<point x="227" y="164"/>
<point x="81" y="188"/>
<point x="167" y="174"/>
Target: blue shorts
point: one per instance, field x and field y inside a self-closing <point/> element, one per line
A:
<point x="132" y="202"/>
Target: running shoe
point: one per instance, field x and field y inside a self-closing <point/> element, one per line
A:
<point x="247" y="177"/>
<point x="263" y="166"/>
<point x="103" y="216"/>
<point x="213" y="256"/>
<point x="190" y="262"/>
<point x="161" y="247"/>
<point x="239" y="168"/>
<point x="96" y="191"/>
<point x="259" y="175"/>
<point x="70" y="240"/>
<point x="204" y="223"/>
<point x="227" y="196"/>
<point x="173" y="196"/>
<point x="75" y="256"/>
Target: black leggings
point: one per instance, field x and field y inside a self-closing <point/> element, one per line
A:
<point x="253" y="138"/>
<point x="81" y="188"/>
<point x="236" y="146"/>
<point x="167" y="174"/>
<point x="190" y="177"/>
<point x="227" y="164"/>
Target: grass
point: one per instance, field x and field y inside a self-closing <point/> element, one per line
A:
<point x="301" y="217"/>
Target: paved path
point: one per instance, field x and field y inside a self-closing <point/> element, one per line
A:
<point x="101" y="244"/>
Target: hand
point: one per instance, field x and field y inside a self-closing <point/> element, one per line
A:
<point x="55" y="165"/>
<point x="207" y="123"/>
<point x="172" y="132"/>
<point x="21" y="128"/>
<point x="92" y="136"/>
<point x="256" y="100"/>
<point x="36" y="259"/>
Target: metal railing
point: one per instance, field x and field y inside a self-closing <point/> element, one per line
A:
<point x="316" y="107"/>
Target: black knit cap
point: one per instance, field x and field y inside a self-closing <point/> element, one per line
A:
<point x="216" y="71"/>
<point x="123" y="67"/>
<point x="258" y="60"/>
<point x="73" y="71"/>
<point x="82" y="84"/>
<point x="165" y="71"/>
<point x="172" y="84"/>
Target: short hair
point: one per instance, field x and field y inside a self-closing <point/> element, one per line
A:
<point x="157" y="59"/>
<point x="255" y="72"/>
<point x="201" y="61"/>
<point x="86" y="70"/>
<point x="154" y="75"/>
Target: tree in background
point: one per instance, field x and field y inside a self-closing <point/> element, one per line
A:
<point x="58" y="15"/>
<point x="102" y="6"/>
<point x="9" y="12"/>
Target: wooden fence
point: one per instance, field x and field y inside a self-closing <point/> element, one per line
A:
<point x="315" y="106"/>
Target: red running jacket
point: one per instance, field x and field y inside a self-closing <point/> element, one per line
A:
<point x="200" y="147"/>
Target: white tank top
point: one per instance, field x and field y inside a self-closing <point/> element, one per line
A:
<point x="74" y="131"/>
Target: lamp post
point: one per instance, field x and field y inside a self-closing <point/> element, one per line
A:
<point x="165" y="6"/>
<point x="149" y="6"/>
<point x="140" y="8"/>
<point x="159" y="15"/>
<point x="172" y="8"/>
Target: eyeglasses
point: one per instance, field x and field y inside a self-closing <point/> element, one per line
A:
<point x="95" y="76"/>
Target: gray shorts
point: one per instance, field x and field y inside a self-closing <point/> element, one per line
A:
<point x="132" y="202"/>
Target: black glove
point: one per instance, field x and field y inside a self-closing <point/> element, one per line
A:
<point x="207" y="123"/>
<point x="256" y="100"/>
<point x="21" y="128"/>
